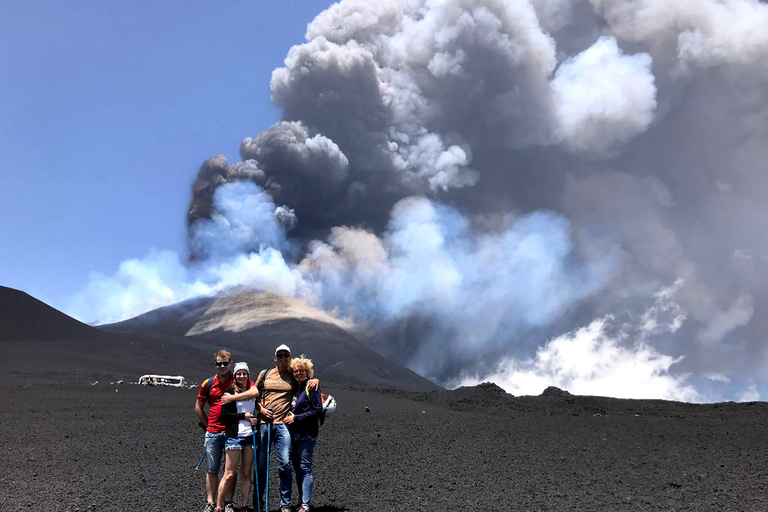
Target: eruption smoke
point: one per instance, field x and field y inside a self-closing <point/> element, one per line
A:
<point x="536" y="192"/>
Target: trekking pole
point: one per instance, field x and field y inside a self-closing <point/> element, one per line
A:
<point x="266" y="486"/>
<point x="202" y="457"/>
<point x="200" y="424"/>
<point x="256" y="496"/>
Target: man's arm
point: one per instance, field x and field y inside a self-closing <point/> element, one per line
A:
<point x="201" y="413"/>
<point x="252" y="392"/>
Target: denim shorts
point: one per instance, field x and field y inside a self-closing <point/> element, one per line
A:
<point x="237" y="443"/>
<point x="214" y="447"/>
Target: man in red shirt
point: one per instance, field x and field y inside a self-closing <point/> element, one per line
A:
<point x="210" y="392"/>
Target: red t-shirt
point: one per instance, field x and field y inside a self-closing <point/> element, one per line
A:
<point x="213" y="397"/>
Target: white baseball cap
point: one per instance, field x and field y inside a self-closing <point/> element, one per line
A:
<point x="283" y="347"/>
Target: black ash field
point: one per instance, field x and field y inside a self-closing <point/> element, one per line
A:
<point x="127" y="447"/>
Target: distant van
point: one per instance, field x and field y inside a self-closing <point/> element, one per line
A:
<point x="163" y="380"/>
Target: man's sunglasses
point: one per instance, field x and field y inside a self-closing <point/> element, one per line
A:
<point x="222" y="364"/>
<point x="283" y="356"/>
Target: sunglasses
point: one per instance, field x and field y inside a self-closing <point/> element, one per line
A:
<point x="222" y="364"/>
<point x="283" y="356"/>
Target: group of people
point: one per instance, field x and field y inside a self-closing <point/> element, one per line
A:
<point x="280" y="409"/>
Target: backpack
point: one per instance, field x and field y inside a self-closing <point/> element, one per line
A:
<point x="207" y="385"/>
<point x="329" y="406"/>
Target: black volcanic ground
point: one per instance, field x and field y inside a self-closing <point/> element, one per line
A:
<point x="127" y="447"/>
<point x="70" y="446"/>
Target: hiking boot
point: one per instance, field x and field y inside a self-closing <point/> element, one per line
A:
<point x="229" y="507"/>
<point x="209" y="507"/>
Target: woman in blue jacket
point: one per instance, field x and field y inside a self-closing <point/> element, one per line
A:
<point x="304" y="424"/>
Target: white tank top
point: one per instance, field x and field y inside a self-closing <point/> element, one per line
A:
<point x="244" y="426"/>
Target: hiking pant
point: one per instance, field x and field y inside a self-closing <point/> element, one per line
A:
<point x="302" y="463"/>
<point x="281" y="441"/>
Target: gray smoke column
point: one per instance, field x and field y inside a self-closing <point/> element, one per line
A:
<point x="489" y="186"/>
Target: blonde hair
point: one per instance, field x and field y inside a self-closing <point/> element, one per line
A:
<point x="303" y="362"/>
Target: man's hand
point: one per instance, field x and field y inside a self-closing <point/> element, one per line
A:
<point x="313" y="384"/>
<point x="288" y="418"/>
<point x="227" y="397"/>
<point x="266" y="412"/>
<point x="201" y="416"/>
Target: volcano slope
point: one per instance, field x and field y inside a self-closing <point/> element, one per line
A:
<point x="181" y="339"/>
<point x="251" y="324"/>
<point x="127" y="447"/>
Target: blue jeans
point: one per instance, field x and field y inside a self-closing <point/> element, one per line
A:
<point x="214" y="447"/>
<point x="281" y="439"/>
<point x="302" y="463"/>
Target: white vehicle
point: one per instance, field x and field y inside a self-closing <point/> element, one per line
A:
<point x="163" y="380"/>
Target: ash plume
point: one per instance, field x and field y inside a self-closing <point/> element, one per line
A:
<point x="483" y="183"/>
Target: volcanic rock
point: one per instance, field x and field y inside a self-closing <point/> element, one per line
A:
<point x="555" y="392"/>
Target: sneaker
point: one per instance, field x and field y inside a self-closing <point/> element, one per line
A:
<point x="285" y="508"/>
<point x="304" y="508"/>
<point x="209" y="507"/>
<point x="229" y="507"/>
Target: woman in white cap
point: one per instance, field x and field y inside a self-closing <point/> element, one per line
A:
<point x="237" y="417"/>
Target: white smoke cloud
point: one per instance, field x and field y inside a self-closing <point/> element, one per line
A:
<point x="603" y="356"/>
<point x="244" y="219"/>
<point x="603" y="96"/>
<point x="589" y="361"/>
<point x="704" y="33"/>
<point x="431" y="264"/>
<point x="161" y="278"/>
<point x="137" y="286"/>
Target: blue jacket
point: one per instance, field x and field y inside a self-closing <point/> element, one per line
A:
<point x="306" y="411"/>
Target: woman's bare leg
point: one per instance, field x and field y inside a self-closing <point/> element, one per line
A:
<point x="227" y="484"/>
<point x="246" y="470"/>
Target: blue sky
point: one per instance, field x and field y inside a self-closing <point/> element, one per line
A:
<point x="108" y="108"/>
